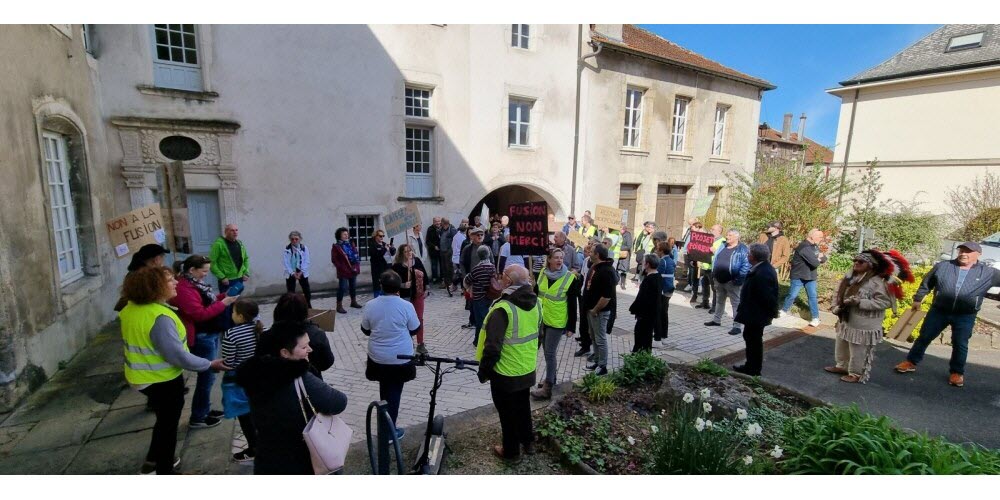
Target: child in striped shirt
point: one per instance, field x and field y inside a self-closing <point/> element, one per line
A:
<point x="239" y="344"/>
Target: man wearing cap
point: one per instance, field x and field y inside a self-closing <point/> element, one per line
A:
<point x="778" y="244"/>
<point x="150" y="255"/>
<point x="959" y="287"/>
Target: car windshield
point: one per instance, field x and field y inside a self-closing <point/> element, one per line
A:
<point x="992" y="240"/>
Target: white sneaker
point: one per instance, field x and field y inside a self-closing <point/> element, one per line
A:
<point x="814" y="323"/>
<point x="782" y="313"/>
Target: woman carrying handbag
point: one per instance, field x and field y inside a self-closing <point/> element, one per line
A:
<point x="270" y="379"/>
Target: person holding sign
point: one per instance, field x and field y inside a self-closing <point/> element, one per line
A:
<point x="379" y="253"/>
<point x="414" y="287"/>
<point x="730" y="268"/>
<point x="587" y="229"/>
<point x="150" y="255"/>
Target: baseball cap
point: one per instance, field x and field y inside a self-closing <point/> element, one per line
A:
<point x="972" y="245"/>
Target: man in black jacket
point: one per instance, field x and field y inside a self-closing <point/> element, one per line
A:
<point x="647" y="307"/>
<point x="598" y="298"/>
<point x="805" y="262"/>
<point x="433" y="241"/>
<point x="758" y="307"/>
<point x="959" y="287"/>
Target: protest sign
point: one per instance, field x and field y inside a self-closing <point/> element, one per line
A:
<point x="129" y="232"/>
<point x="554" y="226"/>
<point x="702" y="205"/>
<point x="578" y="239"/>
<point x="400" y="220"/>
<point x="528" y="228"/>
<point x="700" y="247"/>
<point x="605" y="217"/>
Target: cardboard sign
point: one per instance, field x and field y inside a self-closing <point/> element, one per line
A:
<point x="578" y="239"/>
<point x="700" y="247"/>
<point x="907" y="322"/>
<point x="702" y="205"/>
<point x="323" y="318"/>
<point x="554" y="225"/>
<point x="400" y="220"/>
<point x="129" y="232"/>
<point x="608" y="217"/>
<point x="528" y="228"/>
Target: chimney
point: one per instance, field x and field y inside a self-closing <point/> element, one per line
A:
<point x="802" y="128"/>
<point x="786" y="127"/>
<point x="612" y="31"/>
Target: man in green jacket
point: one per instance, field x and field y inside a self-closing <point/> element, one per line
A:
<point x="230" y="263"/>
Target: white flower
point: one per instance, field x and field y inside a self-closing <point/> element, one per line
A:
<point x="705" y="393"/>
<point x="654" y="429"/>
<point x="688" y="397"/>
<point x="741" y="414"/>
<point x="707" y="407"/>
<point x="777" y="451"/>
<point x="699" y="424"/>
<point x="747" y="460"/>
<point x="631" y="440"/>
<point x="708" y="424"/>
<point x="754" y="430"/>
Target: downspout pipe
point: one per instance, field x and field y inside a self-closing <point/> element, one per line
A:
<point x="576" y="125"/>
<point x="847" y="150"/>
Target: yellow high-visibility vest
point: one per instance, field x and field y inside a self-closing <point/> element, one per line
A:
<point x="143" y="364"/>
<point x="555" y="310"/>
<point x="520" y="342"/>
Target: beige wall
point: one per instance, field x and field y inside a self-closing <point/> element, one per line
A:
<point x="47" y="81"/>
<point x="929" y="135"/>
<point x="607" y="164"/>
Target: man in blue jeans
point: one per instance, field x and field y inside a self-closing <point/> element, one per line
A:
<point x="206" y="346"/>
<point x="959" y="287"/>
<point x="805" y="264"/>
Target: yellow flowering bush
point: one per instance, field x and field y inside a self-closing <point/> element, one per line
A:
<point x="908" y="290"/>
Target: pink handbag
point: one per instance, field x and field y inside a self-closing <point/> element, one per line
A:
<point x="326" y="436"/>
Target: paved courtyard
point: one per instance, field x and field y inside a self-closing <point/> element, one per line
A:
<point x="689" y="340"/>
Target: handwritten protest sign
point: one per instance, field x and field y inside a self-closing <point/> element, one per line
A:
<point x="129" y="232"/>
<point x="528" y="228"/>
<point x="578" y="239"/>
<point x="700" y="247"/>
<point x="605" y="217"/>
<point x="400" y="220"/>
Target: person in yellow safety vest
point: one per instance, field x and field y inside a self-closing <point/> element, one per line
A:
<point x="156" y="355"/>
<point x="507" y="352"/>
<point x="558" y="291"/>
<point x="588" y="228"/>
<point x="707" y="282"/>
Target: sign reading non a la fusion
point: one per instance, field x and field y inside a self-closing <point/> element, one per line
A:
<point x="700" y="247"/>
<point x="528" y="228"/>
<point x="130" y="231"/>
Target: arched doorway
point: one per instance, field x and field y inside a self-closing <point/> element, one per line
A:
<point x="501" y="198"/>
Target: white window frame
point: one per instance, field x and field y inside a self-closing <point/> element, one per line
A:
<point x="361" y="240"/>
<point x="419" y="172"/>
<point x="417" y="102"/>
<point x="719" y="130"/>
<point x="520" y="36"/>
<point x="632" y="137"/>
<point x="967" y="41"/>
<point x="518" y="106"/>
<point x="678" y="129"/>
<point x="171" y="73"/>
<point x="69" y="258"/>
<point x="88" y="44"/>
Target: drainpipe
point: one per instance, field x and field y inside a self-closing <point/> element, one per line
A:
<point x="847" y="150"/>
<point x="576" y="126"/>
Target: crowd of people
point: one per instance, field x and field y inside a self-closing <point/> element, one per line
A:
<point x="173" y="320"/>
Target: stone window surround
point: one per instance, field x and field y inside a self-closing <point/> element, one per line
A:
<point x="214" y="169"/>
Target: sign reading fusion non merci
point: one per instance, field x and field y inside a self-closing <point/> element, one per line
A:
<point x="528" y="228"/>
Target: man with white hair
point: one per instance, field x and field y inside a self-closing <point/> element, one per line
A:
<point x="805" y="264"/>
<point x="729" y="269"/>
<point x="507" y="352"/>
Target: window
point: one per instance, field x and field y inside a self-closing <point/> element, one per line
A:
<point x="360" y="229"/>
<point x="419" y="180"/>
<point x="719" y="135"/>
<point x="417" y="102"/>
<point x="519" y="36"/>
<point x="518" y="119"/>
<point x="88" y="42"/>
<point x="633" y="118"/>
<point x="969" y="41"/>
<point x="680" y="124"/>
<point x="64" y="223"/>
<point x="665" y="189"/>
<point x="175" y="59"/>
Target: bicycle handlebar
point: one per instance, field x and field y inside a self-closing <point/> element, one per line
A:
<point x="423" y="358"/>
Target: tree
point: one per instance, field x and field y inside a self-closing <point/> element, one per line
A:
<point x="969" y="202"/>
<point x="800" y="197"/>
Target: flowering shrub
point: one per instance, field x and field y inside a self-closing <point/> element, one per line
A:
<point x="690" y="444"/>
<point x="908" y="290"/>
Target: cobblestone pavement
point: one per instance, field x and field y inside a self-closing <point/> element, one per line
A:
<point x="689" y="340"/>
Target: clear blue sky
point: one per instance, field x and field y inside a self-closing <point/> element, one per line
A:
<point x="802" y="60"/>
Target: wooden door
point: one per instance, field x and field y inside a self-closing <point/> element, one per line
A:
<point x="627" y="196"/>
<point x="671" y="203"/>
